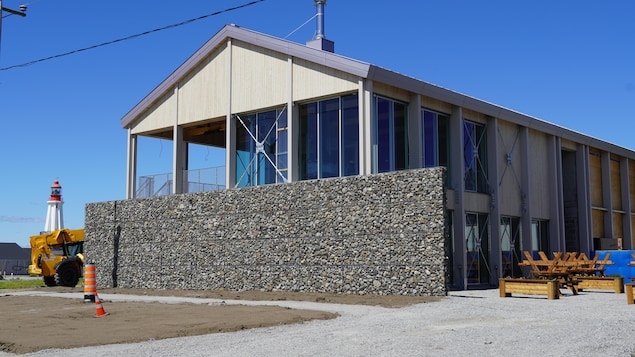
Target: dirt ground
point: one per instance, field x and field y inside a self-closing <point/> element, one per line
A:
<point x="34" y="323"/>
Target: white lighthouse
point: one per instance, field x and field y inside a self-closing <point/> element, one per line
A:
<point x="54" y="214"/>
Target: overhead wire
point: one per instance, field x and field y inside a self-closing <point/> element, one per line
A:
<point x="132" y="36"/>
<point x="299" y="27"/>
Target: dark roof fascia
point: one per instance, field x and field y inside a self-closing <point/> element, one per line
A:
<point x="414" y="85"/>
<point x="14" y="251"/>
<point x="293" y="49"/>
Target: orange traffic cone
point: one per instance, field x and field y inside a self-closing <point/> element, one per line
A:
<point x="100" y="309"/>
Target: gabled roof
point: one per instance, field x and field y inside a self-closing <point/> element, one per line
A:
<point x="366" y="71"/>
<point x="12" y="251"/>
<point x="325" y="58"/>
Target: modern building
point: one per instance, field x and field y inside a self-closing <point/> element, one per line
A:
<point x="287" y="112"/>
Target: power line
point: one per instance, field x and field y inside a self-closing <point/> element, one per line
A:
<point x="132" y="36"/>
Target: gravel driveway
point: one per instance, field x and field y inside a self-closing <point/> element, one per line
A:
<point x="478" y="323"/>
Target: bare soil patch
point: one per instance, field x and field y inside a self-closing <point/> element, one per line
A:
<point x="36" y="323"/>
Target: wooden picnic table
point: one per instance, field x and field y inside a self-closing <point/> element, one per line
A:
<point x="545" y="268"/>
<point x="564" y="267"/>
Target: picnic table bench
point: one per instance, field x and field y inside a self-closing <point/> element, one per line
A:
<point x="630" y="288"/>
<point x="615" y="283"/>
<point x="509" y="286"/>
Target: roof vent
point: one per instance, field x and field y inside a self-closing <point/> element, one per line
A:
<point x="319" y="41"/>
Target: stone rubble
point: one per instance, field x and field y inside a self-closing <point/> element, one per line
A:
<point x="376" y="234"/>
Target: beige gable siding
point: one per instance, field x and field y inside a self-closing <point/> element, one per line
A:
<point x="540" y="174"/>
<point x="203" y="93"/>
<point x="159" y="116"/>
<point x="259" y="78"/>
<point x="311" y="80"/>
<point x="511" y="174"/>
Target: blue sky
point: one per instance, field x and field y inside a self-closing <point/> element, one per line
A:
<point x="568" y="62"/>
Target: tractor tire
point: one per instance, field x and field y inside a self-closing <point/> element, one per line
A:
<point x="49" y="281"/>
<point x="67" y="275"/>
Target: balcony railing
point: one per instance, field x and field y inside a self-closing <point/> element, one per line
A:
<point x="200" y="180"/>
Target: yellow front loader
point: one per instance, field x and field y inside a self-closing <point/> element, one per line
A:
<point x="58" y="256"/>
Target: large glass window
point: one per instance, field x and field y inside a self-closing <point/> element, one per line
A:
<point x="329" y="138"/>
<point x="435" y="139"/>
<point x="390" y="137"/>
<point x="540" y="235"/>
<point x="477" y="248"/>
<point x="510" y="246"/>
<point x="261" y="148"/>
<point x="475" y="157"/>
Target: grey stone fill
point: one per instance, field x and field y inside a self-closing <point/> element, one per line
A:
<point x="382" y="234"/>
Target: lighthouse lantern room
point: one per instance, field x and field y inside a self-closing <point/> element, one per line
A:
<point x="54" y="214"/>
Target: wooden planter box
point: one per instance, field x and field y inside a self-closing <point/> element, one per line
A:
<point x="601" y="283"/>
<point x="630" y="288"/>
<point x="509" y="286"/>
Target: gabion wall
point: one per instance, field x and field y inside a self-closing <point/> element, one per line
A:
<point x="379" y="234"/>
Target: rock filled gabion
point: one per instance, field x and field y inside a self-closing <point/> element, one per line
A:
<point x="382" y="234"/>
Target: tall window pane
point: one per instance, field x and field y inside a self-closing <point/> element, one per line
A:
<point x="282" y="147"/>
<point x="390" y="137"/>
<point x="469" y="156"/>
<point x="475" y="157"/>
<point x="429" y="139"/>
<point x="329" y="138"/>
<point x="329" y="158"/>
<point x="539" y="235"/>
<point x="308" y="142"/>
<point x="384" y="149"/>
<point x="260" y="149"/>
<point x="267" y="135"/>
<point x="401" y="136"/>
<point x="443" y="143"/>
<point x="477" y="248"/>
<point x="350" y="135"/>
<point x="510" y="245"/>
<point x="245" y="151"/>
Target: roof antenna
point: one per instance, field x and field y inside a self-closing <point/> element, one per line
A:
<point x="319" y="41"/>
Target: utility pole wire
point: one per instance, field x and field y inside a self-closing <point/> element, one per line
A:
<point x="132" y="36"/>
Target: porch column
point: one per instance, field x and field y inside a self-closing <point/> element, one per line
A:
<point x="457" y="173"/>
<point x="584" y="199"/>
<point x="525" y="191"/>
<point x="627" y="241"/>
<point x="179" y="161"/>
<point x="292" y="131"/>
<point x="131" y="166"/>
<point x="607" y="195"/>
<point x="179" y="151"/>
<point x="415" y="132"/>
<point x="493" y="152"/>
<point x="230" y="127"/>
<point x="556" y="203"/>
<point x="365" y="97"/>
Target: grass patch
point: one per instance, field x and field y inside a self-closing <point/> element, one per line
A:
<point x="19" y="283"/>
